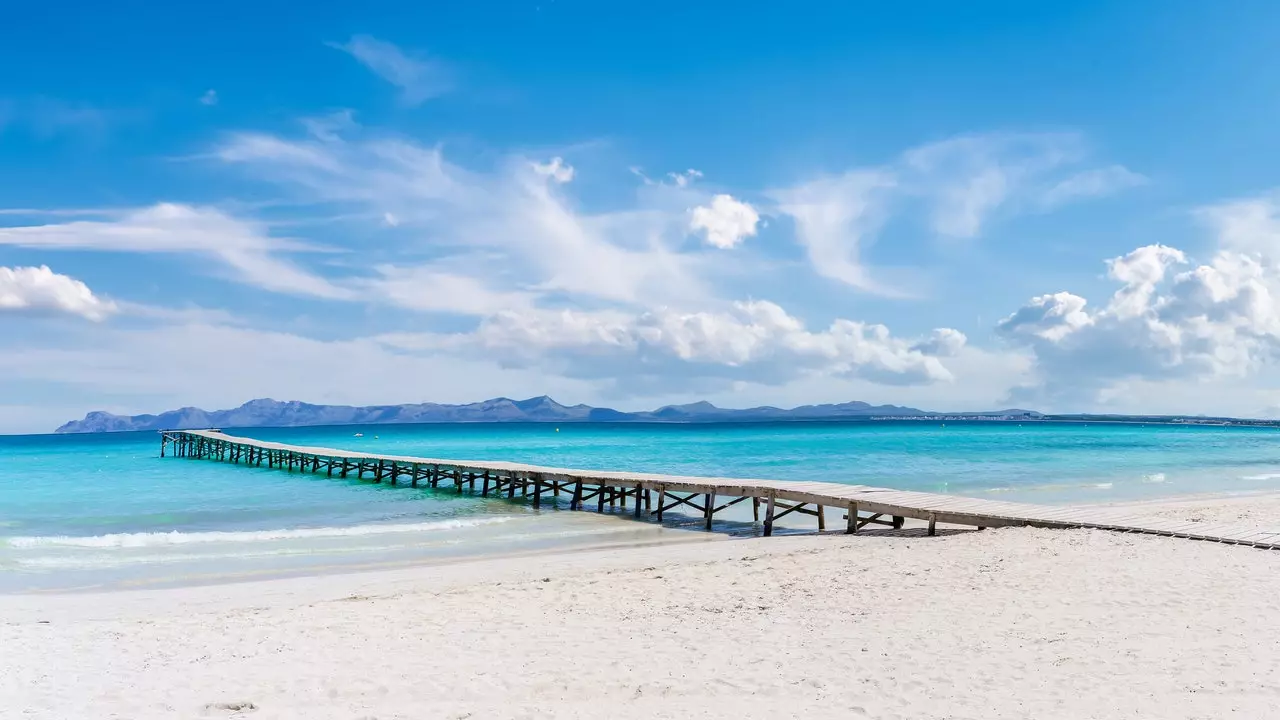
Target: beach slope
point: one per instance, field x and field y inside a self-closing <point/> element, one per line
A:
<point x="1010" y="623"/>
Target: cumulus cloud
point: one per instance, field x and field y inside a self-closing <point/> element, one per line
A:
<point x="1170" y="317"/>
<point x="1047" y="317"/>
<point x="41" y="290"/>
<point x="755" y="341"/>
<point x="942" y="342"/>
<point x="419" y="79"/>
<point x="725" y="222"/>
<point x="245" y="248"/>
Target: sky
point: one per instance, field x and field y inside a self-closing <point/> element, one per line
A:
<point x="1068" y="206"/>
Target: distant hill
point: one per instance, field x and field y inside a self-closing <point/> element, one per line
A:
<point x="274" y="413"/>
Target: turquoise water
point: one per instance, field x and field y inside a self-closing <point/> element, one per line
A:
<point x="106" y="511"/>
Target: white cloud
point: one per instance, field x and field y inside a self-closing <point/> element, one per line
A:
<point x="959" y="184"/>
<point x="103" y="365"/>
<point x="834" y="218"/>
<point x="515" y="221"/>
<point x="46" y="117"/>
<point x="556" y="169"/>
<point x="1098" y="182"/>
<point x="684" y="179"/>
<point x="573" y="355"/>
<point x="725" y="222"/>
<point x="942" y="342"/>
<point x="241" y="246"/>
<point x="1048" y="317"/>
<point x="40" y="290"/>
<point x="755" y="341"/>
<point x="969" y="178"/>
<point x="1213" y="320"/>
<point x="209" y="98"/>
<point x="418" y="79"/>
<point x="440" y="289"/>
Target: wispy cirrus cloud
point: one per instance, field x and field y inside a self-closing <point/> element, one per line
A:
<point x="960" y="185"/>
<point x="245" y="248"/>
<point x="418" y="78"/>
<point x="1095" y="183"/>
<point x="835" y="218"/>
<point x="516" y="224"/>
<point x="47" y="117"/>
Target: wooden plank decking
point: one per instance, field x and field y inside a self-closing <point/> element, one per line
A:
<point x="651" y="494"/>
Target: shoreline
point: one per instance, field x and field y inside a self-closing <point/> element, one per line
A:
<point x="1000" y="623"/>
<point x="1247" y="506"/>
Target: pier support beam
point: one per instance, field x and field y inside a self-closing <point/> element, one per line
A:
<point x="768" y="516"/>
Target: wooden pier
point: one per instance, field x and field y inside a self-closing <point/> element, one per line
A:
<point x="858" y="506"/>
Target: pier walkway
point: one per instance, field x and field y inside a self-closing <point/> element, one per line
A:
<point x="652" y="495"/>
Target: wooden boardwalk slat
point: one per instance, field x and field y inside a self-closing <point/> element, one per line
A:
<point x="885" y="502"/>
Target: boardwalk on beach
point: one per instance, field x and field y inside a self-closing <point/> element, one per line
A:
<point x="858" y="506"/>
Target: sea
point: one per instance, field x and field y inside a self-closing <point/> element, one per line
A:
<point x="106" y="512"/>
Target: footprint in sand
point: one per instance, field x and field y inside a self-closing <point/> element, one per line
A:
<point x="230" y="707"/>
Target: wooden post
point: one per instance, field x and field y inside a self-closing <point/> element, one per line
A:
<point x="662" y="500"/>
<point x="853" y="518"/>
<point x="484" y="489"/>
<point x="822" y="518"/>
<point x="933" y="520"/>
<point x="639" y="503"/>
<point x="511" y="488"/>
<point x="710" y="507"/>
<point x="576" y="502"/>
<point x="897" y="522"/>
<point x="600" y="499"/>
<point x="755" y="508"/>
<point x="768" y="516"/>
<point x="537" y="490"/>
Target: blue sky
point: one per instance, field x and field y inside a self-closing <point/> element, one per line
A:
<point x="953" y="206"/>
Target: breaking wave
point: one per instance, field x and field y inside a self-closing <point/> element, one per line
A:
<point x="153" y="539"/>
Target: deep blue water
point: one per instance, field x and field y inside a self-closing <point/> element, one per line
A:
<point x="78" y="508"/>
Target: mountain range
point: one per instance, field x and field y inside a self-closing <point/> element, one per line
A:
<point x="275" y="413"/>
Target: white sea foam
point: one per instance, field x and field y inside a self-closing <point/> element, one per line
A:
<point x="137" y="540"/>
<point x="1263" y="476"/>
<point x="1154" y="478"/>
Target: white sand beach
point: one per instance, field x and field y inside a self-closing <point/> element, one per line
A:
<point x="1010" y="623"/>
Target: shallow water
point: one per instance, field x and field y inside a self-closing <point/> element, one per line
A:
<point x="106" y="511"/>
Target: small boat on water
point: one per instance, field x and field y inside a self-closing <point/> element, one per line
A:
<point x="358" y="435"/>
